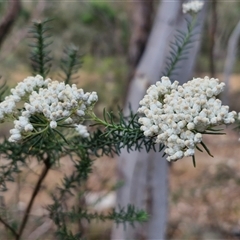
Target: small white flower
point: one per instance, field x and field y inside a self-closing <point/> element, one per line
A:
<point x="69" y="120"/>
<point x="80" y="113"/>
<point x="14" y="131"/>
<point x="190" y="126"/>
<point x="192" y="6"/>
<point x="82" y="130"/>
<point x="189" y="152"/>
<point x="28" y="127"/>
<point x="198" y="138"/>
<point x="53" y="124"/>
<point x="15" y="138"/>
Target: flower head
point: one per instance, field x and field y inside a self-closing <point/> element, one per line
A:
<point x="192" y="6"/>
<point x="24" y="88"/>
<point x="177" y="116"/>
<point x="52" y="103"/>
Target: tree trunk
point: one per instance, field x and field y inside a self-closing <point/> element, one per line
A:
<point x="135" y="168"/>
<point x="141" y="26"/>
<point x="145" y="175"/>
<point x="230" y="60"/>
<point x="9" y="18"/>
<point x="213" y="29"/>
<point x="21" y="33"/>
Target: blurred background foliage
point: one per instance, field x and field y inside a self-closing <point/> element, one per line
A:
<point x="102" y="30"/>
<point x="227" y="19"/>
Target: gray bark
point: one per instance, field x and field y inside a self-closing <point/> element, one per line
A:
<point x="8" y="20"/>
<point x="145" y="175"/>
<point x="141" y="26"/>
<point x="212" y="37"/>
<point x="230" y="60"/>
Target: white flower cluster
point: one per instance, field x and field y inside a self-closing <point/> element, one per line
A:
<point x="82" y="130"/>
<point x="19" y="92"/>
<point x="178" y="115"/>
<point x="57" y="103"/>
<point x="192" y="6"/>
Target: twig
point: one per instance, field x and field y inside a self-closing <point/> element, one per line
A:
<point x="34" y="194"/>
<point x="8" y="227"/>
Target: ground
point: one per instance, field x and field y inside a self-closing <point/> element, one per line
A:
<point x="204" y="201"/>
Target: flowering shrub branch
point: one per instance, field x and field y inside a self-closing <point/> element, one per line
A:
<point x="48" y="118"/>
<point x="54" y="119"/>
<point x="183" y="40"/>
<point x="120" y="132"/>
<point x="178" y="116"/>
<point x="70" y="64"/>
<point x="40" y="54"/>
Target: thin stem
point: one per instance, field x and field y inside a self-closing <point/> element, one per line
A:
<point x="38" y="132"/>
<point x="207" y="150"/>
<point x="34" y="194"/>
<point x="194" y="161"/>
<point x="115" y="126"/>
<point x="9" y="227"/>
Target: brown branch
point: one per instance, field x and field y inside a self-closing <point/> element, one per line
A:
<point x="9" y="227"/>
<point x="20" y="34"/>
<point x="47" y="166"/>
<point x="9" y="18"/>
